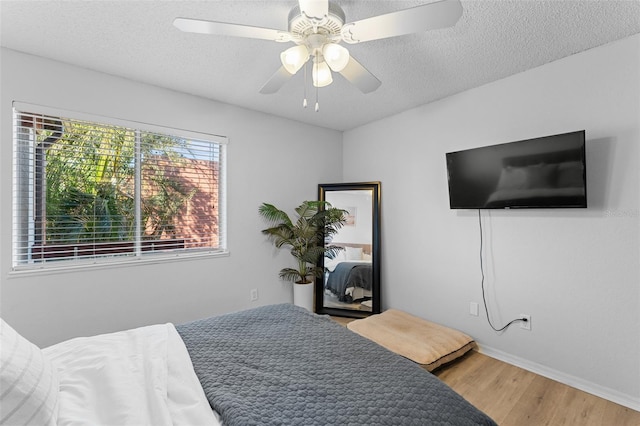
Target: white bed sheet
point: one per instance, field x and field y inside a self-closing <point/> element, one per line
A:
<point x="331" y="264"/>
<point x="142" y="376"/>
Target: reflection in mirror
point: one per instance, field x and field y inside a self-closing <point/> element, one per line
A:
<point x="351" y="282"/>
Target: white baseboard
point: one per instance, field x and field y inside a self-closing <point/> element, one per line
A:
<point x="575" y="382"/>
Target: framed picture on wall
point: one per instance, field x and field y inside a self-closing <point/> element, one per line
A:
<point x="351" y="216"/>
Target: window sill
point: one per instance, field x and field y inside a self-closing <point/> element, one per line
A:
<point x="95" y="264"/>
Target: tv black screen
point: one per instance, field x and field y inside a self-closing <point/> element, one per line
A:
<point x="546" y="172"/>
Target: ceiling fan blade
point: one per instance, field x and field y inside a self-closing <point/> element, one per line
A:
<point x="360" y="77"/>
<point x="277" y="80"/>
<point x="235" y="30"/>
<point x="429" y="16"/>
<point x="315" y="10"/>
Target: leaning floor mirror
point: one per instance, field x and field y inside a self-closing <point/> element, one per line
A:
<point x="350" y="285"/>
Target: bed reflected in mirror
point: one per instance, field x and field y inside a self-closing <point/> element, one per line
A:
<point x="350" y="285"/>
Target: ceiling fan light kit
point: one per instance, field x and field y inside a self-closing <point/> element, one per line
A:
<point x="336" y="56"/>
<point x="318" y="26"/>
<point x="294" y="58"/>
<point x="321" y="74"/>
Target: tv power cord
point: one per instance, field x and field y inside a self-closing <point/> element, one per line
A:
<point x="484" y="299"/>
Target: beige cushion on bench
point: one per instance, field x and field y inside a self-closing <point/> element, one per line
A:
<point x="419" y="340"/>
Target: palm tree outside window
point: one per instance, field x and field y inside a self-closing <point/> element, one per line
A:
<point x="88" y="190"/>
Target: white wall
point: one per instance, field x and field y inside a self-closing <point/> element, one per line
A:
<point x="50" y="308"/>
<point x="576" y="272"/>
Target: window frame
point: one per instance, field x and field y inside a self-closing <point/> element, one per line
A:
<point x="142" y="254"/>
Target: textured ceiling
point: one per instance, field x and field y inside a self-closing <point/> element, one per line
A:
<point x="136" y="40"/>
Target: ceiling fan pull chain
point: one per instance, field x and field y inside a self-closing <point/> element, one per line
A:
<point x="317" y="104"/>
<point x="304" y="102"/>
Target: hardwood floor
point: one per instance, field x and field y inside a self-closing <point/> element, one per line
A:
<point x="516" y="397"/>
<point x="343" y="320"/>
<point x="513" y="396"/>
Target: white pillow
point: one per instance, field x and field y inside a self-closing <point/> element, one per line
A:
<point x="354" y="253"/>
<point x="28" y="382"/>
<point x="513" y="178"/>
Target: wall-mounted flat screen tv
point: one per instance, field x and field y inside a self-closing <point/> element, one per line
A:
<point x="546" y="172"/>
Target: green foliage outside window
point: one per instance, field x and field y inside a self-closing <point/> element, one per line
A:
<point x="90" y="184"/>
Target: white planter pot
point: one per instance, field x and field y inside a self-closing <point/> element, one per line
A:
<point x="303" y="295"/>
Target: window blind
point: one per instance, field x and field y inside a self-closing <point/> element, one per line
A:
<point x="86" y="190"/>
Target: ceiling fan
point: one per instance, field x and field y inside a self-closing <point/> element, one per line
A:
<point x="318" y="26"/>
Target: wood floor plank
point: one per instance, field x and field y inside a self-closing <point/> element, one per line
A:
<point x="538" y="404"/>
<point x="615" y="414"/>
<point x="504" y="395"/>
<point x="580" y="408"/>
<point x="513" y="396"/>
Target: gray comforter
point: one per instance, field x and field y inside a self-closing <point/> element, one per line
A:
<point x="281" y="365"/>
<point x="349" y="274"/>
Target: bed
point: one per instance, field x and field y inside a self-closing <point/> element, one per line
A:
<point x="349" y="275"/>
<point x="272" y="365"/>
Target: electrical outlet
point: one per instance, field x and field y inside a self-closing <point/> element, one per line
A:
<point x="473" y="309"/>
<point x="254" y="295"/>
<point x="525" y="325"/>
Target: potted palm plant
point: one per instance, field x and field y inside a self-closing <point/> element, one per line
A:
<point x="305" y="236"/>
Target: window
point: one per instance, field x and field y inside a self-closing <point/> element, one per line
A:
<point x="89" y="191"/>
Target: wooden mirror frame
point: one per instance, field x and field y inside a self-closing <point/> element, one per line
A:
<point x="374" y="187"/>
